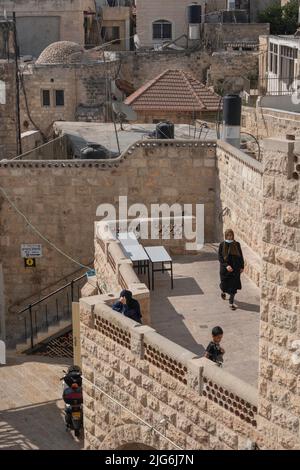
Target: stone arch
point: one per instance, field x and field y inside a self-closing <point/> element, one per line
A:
<point x="133" y="437"/>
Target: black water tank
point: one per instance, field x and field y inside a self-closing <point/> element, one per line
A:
<point x="95" y="151"/>
<point x="165" y="130"/>
<point x="232" y="110"/>
<point x="194" y="14"/>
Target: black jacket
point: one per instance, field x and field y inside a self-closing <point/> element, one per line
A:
<point x="231" y="282"/>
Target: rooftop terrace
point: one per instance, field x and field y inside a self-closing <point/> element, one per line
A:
<point x="186" y="314"/>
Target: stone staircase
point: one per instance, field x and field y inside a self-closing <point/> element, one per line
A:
<point x="44" y="335"/>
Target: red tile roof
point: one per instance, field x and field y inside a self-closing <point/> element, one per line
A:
<point x="174" y="90"/>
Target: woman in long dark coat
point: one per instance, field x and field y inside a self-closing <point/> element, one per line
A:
<point x="231" y="266"/>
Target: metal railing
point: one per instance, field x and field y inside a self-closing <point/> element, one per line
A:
<point x="277" y="86"/>
<point x="50" y="310"/>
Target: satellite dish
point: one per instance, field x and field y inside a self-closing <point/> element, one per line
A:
<point x="116" y="92"/>
<point x="124" y="111"/>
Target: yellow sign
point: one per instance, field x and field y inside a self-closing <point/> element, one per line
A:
<point x="29" y="262"/>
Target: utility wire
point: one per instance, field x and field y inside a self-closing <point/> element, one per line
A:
<point x="133" y="414"/>
<point x="13" y="205"/>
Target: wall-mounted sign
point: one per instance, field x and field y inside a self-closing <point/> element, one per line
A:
<point x="29" y="262"/>
<point x="31" y="251"/>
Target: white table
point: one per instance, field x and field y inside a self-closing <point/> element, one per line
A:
<point x="158" y="254"/>
<point x="135" y="252"/>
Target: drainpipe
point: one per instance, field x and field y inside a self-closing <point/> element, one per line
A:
<point x="2" y="306"/>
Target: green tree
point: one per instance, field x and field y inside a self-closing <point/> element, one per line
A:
<point x="290" y="16"/>
<point x="283" y="20"/>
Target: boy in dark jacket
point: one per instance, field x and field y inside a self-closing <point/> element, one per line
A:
<point x="214" y="352"/>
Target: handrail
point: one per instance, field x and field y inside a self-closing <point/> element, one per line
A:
<point x="34" y="328"/>
<point x="51" y="294"/>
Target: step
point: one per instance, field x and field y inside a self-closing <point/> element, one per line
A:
<point x="43" y="335"/>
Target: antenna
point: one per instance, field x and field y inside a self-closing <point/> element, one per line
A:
<point x="124" y="112"/>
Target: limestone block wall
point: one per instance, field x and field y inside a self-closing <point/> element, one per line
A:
<point x="263" y="122"/>
<point x="131" y="373"/>
<point x="83" y="86"/>
<point x="222" y="66"/>
<point x="239" y="203"/>
<point x="70" y="13"/>
<point x="60" y="198"/>
<point x="8" y="146"/>
<point x="175" y="12"/>
<point x="279" y="392"/>
<point x="219" y="33"/>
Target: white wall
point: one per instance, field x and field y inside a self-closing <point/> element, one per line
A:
<point x="174" y="11"/>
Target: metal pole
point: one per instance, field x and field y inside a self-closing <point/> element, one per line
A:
<point x="72" y="293"/>
<point x="31" y="326"/>
<point x="17" y="81"/>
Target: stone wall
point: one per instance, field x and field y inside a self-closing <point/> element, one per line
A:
<point x="239" y="203"/>
<point x="264" y="122"/>
<point x="216" y="34"/>
<point x="84" y="93"/>
<point x="8" y="138"/>
<point x="69" y="26"/>
<point x="174" y="11"/>
<point x="279" y="392"/>
<point x="224" y="67"/>
<point x="31" y="140"/>
<point x="60" y="198"/>
<point x="191" y="401"/>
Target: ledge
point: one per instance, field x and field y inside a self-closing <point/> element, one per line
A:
<point x="241" y="156"/>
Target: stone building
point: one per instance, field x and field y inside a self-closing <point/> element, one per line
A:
<point x="116" y="24"/>
<point x="174" y="95"/>
<point x="172" y="22"/>
<point x="135" y="379"/>
<point x="65" y="83"/>
<point x="42" y="23"/>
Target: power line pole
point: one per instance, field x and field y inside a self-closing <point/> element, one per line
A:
<point x="17" y="81"/>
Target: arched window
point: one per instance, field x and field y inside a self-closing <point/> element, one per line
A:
<point x="162" y="29"/>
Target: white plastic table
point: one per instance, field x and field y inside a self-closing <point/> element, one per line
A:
<point x="135" y="252"/>
<point x="158" y="254"/>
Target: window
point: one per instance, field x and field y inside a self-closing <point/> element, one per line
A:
<point x="59" y="98"/>
<point x="288" y="55"/>
<point x="274" y="58"/>
<point x="45" y="97"/>
<point x="111" y="33"/>
<point x="162" y="29"/>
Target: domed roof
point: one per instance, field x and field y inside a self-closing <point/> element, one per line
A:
<point x="61" y="52"/>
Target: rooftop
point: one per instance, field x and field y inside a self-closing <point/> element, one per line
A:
<point x="187" y="314"/>
<point x="174" y="90"/>
<point x="79" y="133"/>
<point x="61" y="52"/>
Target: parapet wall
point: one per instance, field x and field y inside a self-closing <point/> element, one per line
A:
<point x="61" y="197"/>
<point x="264" y="122"/>
<point x="239" y="203"/>
<point x="134" y="378"/>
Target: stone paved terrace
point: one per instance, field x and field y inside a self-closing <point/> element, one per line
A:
<point x="187" y="314"/>
<point x="31" y="416"/>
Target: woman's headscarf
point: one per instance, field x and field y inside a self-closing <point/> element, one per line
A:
<point x="230" y="248"/>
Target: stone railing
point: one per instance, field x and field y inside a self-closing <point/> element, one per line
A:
<point x="199" y="374"/>
<point x="115" y="271"/>
<point x="105" y="164"/>
<point x="241" y="156"/>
